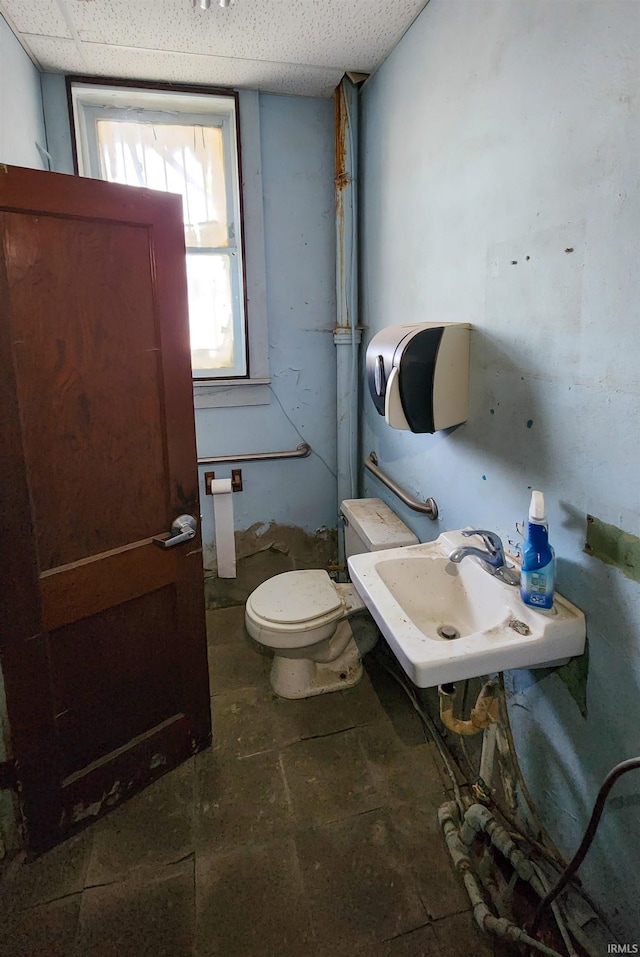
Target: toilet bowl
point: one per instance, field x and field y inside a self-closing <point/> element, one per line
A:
<point x="303" y="616"/>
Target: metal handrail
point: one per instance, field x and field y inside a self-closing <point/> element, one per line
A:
<point x="428" y="507"/>
<point x="301" y="452"/>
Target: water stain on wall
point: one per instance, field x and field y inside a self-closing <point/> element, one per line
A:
<point x="264" y="551"/>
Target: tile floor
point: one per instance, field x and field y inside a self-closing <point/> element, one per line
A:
<point x="308" y="830"/>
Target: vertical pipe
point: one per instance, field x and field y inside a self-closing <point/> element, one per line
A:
<point x="346" y="335"/>
<point x="488" y="753"/>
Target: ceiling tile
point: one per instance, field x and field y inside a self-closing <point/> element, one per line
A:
<point x="284" y="46"/>
<point x="43" y="17"/>
<point x="213" y="71"/>
<point x="56" y="55"/>
<point x="357" y="34"/>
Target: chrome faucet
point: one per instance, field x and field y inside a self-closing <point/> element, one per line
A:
<point x="492" y="559"/>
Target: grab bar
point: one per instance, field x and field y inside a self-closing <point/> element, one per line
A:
<point x="429" y="507"/>
<point x="301" y="452"/>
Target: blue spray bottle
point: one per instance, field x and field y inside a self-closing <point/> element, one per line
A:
<point x="538" y="578"/>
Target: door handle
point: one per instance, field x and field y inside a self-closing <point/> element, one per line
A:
<point x="183" y="529"/>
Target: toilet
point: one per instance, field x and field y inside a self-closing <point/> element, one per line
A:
<point x="302" y="616"/>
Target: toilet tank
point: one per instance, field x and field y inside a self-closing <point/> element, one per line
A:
<point x="370" y="526"/>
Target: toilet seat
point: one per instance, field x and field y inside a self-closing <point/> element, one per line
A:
<point x="295" y="603"/>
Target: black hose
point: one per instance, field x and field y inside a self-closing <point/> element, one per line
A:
<point x="629" y="765"/>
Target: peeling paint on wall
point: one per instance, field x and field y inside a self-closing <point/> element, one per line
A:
<point x="614" y="547"/>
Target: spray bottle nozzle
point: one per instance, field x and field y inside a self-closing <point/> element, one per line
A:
<point x="537" y="511"/>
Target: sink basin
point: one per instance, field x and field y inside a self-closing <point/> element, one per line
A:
<point x="446" y="622"/>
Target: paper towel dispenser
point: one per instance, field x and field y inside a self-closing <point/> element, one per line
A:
<point x="419" y="375"/>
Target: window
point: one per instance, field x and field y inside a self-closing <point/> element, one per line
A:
<point x="186" y="143"/>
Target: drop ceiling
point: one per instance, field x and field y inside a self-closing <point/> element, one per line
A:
<point x="300" y="47"/>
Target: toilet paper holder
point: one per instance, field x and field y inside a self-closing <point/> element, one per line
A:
<point x="236" y="481"/>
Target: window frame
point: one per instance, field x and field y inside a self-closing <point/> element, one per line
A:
<point x="211" y="390"/>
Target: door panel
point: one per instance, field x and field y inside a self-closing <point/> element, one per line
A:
<point x="75" y="345"/>
<point x="129" y="675"/>
<point x="89" y="586"/>
<point x="102" y="632"/>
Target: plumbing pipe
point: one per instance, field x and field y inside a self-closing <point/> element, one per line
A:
<point x="487" y="756"/>
<point x="515" y="826"/>
<point x="557" y="861"/>
<point x="448" y="819"/>
<point x="578" y="914"/>
<point x="346" y="335"/>
<point x="562" y="926"/>
<point x="506" y="725"/>
<point x="344" y="342"/>
<point x="479" y="818"/>
<point x="630" y="765"/>
<point x="592" y="947"/>
<point x="482" y="716"/>
<point x="497" y="926"/>
<point x="546" y="846"/>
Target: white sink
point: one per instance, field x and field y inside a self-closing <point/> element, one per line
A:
<point x="419" y="598"/>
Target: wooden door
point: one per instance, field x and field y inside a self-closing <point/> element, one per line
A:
<point x="102" y="632"/>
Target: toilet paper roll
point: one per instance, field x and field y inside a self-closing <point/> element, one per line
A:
<point x="224" y="535"/>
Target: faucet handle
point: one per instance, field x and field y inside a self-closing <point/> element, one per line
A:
<point x="492" y="541"/>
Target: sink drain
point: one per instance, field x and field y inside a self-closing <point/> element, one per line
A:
<point x="448" y="632"/>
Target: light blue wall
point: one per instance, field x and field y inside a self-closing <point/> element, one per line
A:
<point x="297" y="176"/>
<point x="500" y="187"/>
<point x="21" y="119"/>
<point x="56" y="111"/>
